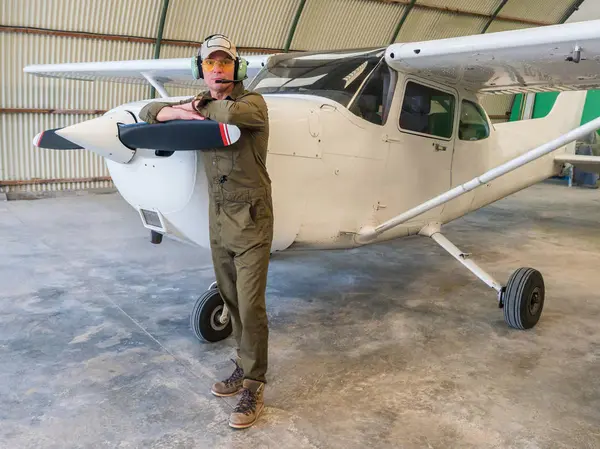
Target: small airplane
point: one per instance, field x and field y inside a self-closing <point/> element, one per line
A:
<point x="365" y="145"/>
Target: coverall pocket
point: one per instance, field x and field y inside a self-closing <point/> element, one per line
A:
<point x="239" y="214"/>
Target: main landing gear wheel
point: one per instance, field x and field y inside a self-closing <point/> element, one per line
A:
<point x="523" y="299"/>
<point x="206" y="317"/>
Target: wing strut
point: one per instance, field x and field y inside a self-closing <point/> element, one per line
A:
<point x="369" y="233"/>
<point x="160" y="88"/>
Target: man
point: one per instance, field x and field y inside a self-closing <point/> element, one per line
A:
<point x="240" y="215"/>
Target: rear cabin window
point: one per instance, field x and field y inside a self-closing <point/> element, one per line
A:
<point x="427" y="110"/>
<point x="472" y="125"/>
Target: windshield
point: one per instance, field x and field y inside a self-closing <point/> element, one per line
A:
<point x="334" y="75"/>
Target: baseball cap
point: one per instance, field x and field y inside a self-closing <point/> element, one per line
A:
<point x="217" y="42"/>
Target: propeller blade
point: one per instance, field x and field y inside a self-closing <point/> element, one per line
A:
<point x="49" y="139"/>
<point x="179" y="135"/>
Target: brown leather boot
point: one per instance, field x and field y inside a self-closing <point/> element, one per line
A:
<point x="249" y="406"/>
<point x="230" y="386"/>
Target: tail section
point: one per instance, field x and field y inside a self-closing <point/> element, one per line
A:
<point x="516" y="138"/>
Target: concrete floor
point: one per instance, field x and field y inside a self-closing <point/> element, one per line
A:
<point x="385" y="346"/>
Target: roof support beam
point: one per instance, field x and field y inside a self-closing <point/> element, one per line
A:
<point x="407" y="10"/>
<point x="119" y="38"/>
<point x="574" y="7"/>
<point x="51" y="111"/>
<point x="463" y="12"/>
<point x="159" y="35"/>
<point x="292" y="31"/>
<point x="494" y="15"/>
<point x="37" y="181"/>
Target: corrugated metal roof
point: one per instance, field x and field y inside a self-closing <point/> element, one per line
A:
<point x="544" y="10"/>
<point x="505" y="25"/>
<point x="20" y="160"/>
<point x="20" y="90"/>
<point x="128" y="17"/>
<point x="249" y="23"/>
<point x="337" y="24"/>
<point x="481" y="6"/>
<point x="424" y="24"/>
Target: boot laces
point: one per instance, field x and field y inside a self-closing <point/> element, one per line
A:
<point x="237" y="374"/>
<point x="247" y="402"/>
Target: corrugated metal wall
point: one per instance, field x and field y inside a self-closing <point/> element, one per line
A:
<point x="22" y="161"/>
<point x="423" y="24"/>
<point x="126" y="17"/>
<point x="54" y="31"/>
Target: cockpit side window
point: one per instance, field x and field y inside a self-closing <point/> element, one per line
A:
<point x="473" y="125"/>
<point x="372" y="102"/>
<point x="427" y="110"/>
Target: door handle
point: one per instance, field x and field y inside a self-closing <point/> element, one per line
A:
<point x="439" y="147"/>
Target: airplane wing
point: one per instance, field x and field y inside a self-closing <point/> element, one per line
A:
<point x="541" y="59"/>
<point x="175" y="72"/>
<point x="586" y="163"/>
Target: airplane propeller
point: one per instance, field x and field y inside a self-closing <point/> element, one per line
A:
<point x="118" y="135"/>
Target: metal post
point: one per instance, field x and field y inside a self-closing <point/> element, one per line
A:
<point x="574" y="7"/>
<point x="494" y="15"/>
<point x="407" y="10"/>
<point x="159" y="35"/>
<point x="290" y="37"/>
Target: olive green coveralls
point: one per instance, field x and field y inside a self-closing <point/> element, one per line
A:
<point x="240" y="217"/>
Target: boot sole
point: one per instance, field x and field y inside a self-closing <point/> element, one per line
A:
<point x="245" y="426"/>
<point x="224" y="395"/>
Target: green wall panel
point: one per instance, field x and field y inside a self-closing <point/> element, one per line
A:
<point x="544" y="103"/>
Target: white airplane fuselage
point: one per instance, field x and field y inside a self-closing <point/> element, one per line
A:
<point x="334" y="173"/>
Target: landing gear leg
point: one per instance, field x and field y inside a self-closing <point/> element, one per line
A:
<point x="210" y="319"/>
<point x="523" y="296"/>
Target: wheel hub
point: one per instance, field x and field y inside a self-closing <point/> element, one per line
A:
<point x="535" y="300"/>
<point x="215" y="319"/>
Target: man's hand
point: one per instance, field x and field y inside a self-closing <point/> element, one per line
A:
<point x="177" y="113"/>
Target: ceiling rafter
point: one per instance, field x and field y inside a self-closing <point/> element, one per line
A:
<point x="292" y="31"/>
<point x="407" y="10"/>
<point x="574" y="7"/>
<point x="494" y="15"/>
<point x="159" y="35"/>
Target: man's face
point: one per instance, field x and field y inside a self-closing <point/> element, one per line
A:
<point x="222" y="68"/>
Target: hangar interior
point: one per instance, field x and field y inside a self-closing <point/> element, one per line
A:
<point x="393" y="344"/>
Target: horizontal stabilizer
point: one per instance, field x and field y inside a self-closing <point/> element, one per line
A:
<point x="585" y="163"/>
<point x="179" y="135"/>
<point x="49" y="139"/>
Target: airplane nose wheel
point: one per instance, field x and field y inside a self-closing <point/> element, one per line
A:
<point x="523" y="299"/>
<point x="207" y="319"/>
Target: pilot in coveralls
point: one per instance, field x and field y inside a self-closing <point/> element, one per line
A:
<point x="240" y="214"/>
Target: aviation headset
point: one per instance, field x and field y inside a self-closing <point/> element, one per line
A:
<point x="240" y="68"/>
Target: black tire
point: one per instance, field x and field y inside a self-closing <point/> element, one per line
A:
<point x="204" y="319"/>
<point x="524" y="298"/>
